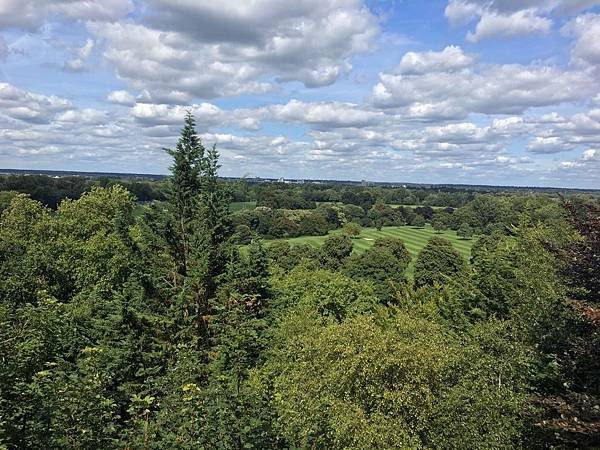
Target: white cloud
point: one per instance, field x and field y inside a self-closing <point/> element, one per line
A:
<point x="590" y="154"/>
<point x="574" y="6"/>
<point x="462" y="11"/>
<point x="160" y="114"/>
<point x="584" y="124"/>
<point x="121" y="98"/>
<point x="584" y="169"/>
<point x="250" y="123"/>
<point x="444" y="115"/>
<point x="515" y="24"/>
<point x="325" y="114"/>
<point x="494" y="89"/>
<point x="209" y="49"/>
<point x="88" y="116"/>
<point x="30" y="107"/>
<point x="510" y="126"/>
<point x="78" y="64"/>
<point x="469" y="9"/>
<point x="586" y="30"/>
<point x="457" y="133"/>
<point x="552" y="117"/>
<point x="451" y="58"/>
<point x="548" y="145"/>
<point x="554" y="133"/>
<point x="31" y="14"/>
<point x="162" y="63"/>
<point x="509" y="18"/>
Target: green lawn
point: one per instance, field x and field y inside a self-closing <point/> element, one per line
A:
<point x="414" y="239"/>
<point x="237" y="206"/>
<point x="394" y="205"/>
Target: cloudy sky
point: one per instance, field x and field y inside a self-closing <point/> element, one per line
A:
<point x="441" y="91"/>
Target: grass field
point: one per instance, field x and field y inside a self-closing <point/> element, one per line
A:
<point x="237" y="206"/>
<point x="394" y="205"/>
<point x="414" y="239"/>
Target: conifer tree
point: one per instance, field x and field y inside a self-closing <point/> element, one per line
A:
<point x="188" y="164"/>
<point x="210" y="241"/>
<point x="199" y="230"/>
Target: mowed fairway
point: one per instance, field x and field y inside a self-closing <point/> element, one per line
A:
<point x="414" y="239"/>
<point x="237" y="206"/>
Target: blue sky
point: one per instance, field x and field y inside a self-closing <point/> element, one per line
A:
<point x="443" y="91"/>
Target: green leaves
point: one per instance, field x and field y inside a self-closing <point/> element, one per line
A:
<point x="393" y="382"/>
<point x="384" y="264"/>
<point x="437" y="262"/>
<point x="157" y="331"/>
<point x="335" y="250"/>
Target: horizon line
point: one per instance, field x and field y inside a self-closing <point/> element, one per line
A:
<point x="9" y="171"/>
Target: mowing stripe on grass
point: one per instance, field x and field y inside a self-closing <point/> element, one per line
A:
<point x="414" y="239"/>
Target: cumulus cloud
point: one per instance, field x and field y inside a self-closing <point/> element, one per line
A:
<point x="325" y="114"/>
<point x="462" y="11"/>
<point x="509" y="18"/>
<point x="554" y="133"/>
<point x="573" y="6"/>
<point x="121" y="98"/>
<point x="161" y="114"/>
<point x="318" y="115"/>
<point x="87" y="116"/>
<point x="166" y="119"/>
<point x="496" y="89"/>
<point x="584" y="169"/>
<point x="209" y="49"/>
<point x="548" y="145"/>
<point x="31" y="14"/>
<point x="590" y="154"/>
<point x="451" y="58"/>
<point x="78" y="64"/>
<point x="457" y="133"/>
<point x="161" y="63"/>
<point x="438" y="115"/>
<point x="586" y="30"/>
<point x="250" y="123"/>
<point x="28" y="106"/>
<point x="584" y="125"/>
<point x="515" y="24"/>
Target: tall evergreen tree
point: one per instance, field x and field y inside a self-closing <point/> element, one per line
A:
<point x="188" y="164"/>
<point x="210" y="241"/>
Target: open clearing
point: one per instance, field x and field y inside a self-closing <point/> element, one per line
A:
<point x="237" y="206"/>
<point x="414" y="239"/>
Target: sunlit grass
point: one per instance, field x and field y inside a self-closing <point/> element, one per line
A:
<point x="414" y="239"/>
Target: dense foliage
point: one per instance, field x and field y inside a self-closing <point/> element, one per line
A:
<point x="50" y="191"/>
<point x="170" y="325"/>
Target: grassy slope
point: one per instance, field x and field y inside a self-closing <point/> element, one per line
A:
<point x="416" y="206"/>
<point x="237" y="206"/>
<point x="414" y="239"/>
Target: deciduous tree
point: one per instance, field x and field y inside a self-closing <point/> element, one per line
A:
<point x="436" y="262"/>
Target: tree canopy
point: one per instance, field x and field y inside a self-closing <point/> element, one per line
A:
<point x="171" y="324"/>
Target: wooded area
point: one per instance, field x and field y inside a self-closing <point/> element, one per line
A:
<point x="172" y="325"/>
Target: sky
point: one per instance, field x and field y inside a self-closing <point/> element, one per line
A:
<point x="502" y="92"/>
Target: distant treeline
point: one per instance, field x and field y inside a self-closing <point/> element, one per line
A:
<point x="484" y="214"/>
<point x="51" y="191"/>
